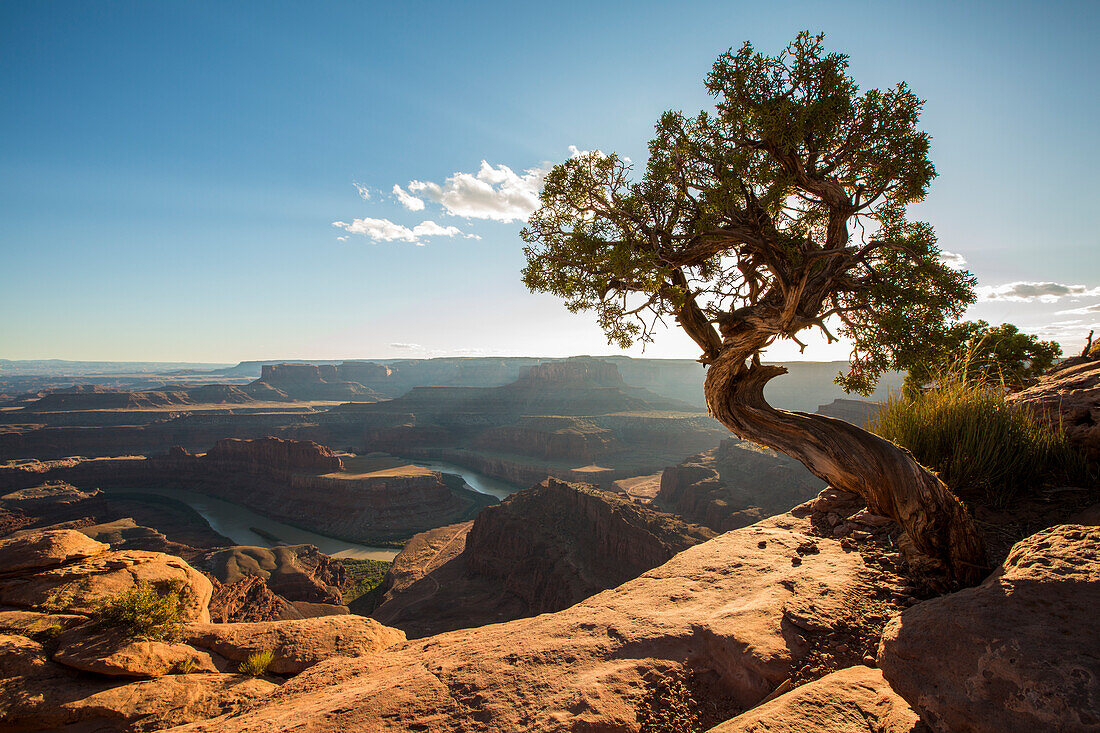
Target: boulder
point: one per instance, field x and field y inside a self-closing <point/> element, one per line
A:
<point x="34" y="623"/>
<point x="718" y="610"/>
<point x="22" y="657"/>
<point x="1070" y="395"/>
<point x="82" y="587"/>
<point x="297" y="644"/>
<point x="39" y="704"/>
<point x="112" y="652"/>
<point x="1014" y="654"/>
<point x="31" y="550"/>
<point x="852" y="700"/>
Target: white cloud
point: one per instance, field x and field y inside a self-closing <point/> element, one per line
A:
<point x="410" y="202"/>
<point x="1046" y="292"/>
<point x="953" y="260"/>
<point x="384" y="230"/>
<point x="341" y="239"/>
<point x="364" y="192"/>
<point x="1082" y="311"/>
<point x="494" y="192"/>
<point x="406" y="347"/>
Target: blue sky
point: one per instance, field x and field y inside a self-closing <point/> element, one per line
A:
<point x="172" y="171"/>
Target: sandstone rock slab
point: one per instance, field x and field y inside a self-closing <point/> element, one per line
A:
<point x="111" y="652"/>
<point x="852" y="700"/>
<point x="28" y="704"/>
<point x="1018" y="652"/>
<point x="22" y="657"/>
<point x="716" y="609"/>
<point x="32" y="550"/>
<point x="34" y="623"/>
<point x="297" y="644"/>
<point x="82" y="587"/>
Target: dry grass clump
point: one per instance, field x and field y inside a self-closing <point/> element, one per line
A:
<point x="143" y="611"/>
<point x="257" y="663"/>
<point x="982" y="446"/>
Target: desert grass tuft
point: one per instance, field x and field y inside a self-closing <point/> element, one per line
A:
<point x="257" y="664"/>
<point x="982" y="446"/>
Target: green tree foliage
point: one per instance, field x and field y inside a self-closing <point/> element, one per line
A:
<point x="781" y="210"/>
<point x="1002" y="354"/>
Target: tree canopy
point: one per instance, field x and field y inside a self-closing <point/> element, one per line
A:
<point x="1000" y="353"/>
<point x="783" y="209"/>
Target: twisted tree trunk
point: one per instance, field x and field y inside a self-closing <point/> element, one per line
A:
<point x="887" y="477"/>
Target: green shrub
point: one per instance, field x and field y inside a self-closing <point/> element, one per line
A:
<point x="365" y="576"/>
<point x="257" y="663"/>
<point x="982" y="446"/>
<point x="143" y="611"/>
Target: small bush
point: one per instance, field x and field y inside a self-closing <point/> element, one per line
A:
<point x="257" y="663"/>
<point x="365" y="576"/>
<point x="143" y="611"/>
<point x="982" y="446"/>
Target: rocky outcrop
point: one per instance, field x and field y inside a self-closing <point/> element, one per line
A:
<point x="1016" y="652"/>
<point x="734" y="485"/>
<point x="248" y="599"/>
<point x="297" y="645"/>
<point x="64" y="699"/>
<point x="1070" y="395"/>
<point x="742" y="611"/>
<point x="29" y="550"/>
<point x="540" y="550"/>
<point x="114" y="653"/>
<point x="297" y="482"/>
<point x="295" y="572"/>
<point x="314" y="382"/>
<point x="852" y="700"/>
<point x="82" y="586"/>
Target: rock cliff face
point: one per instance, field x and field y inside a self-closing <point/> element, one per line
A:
<point x="734" y="485"/>
<point x="540" y="550"/>
<point x="279" y="479"/>
<point x="552" y="438"/>
<point x="274" y="454"/>
<point x="1070" y="395"/>
<point x="857" y="412"/>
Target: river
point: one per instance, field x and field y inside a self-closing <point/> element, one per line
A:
<point x="237" y="522"/>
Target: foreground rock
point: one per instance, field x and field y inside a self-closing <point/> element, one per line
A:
<point x="297" y="645"/>
<point x="37" y="704"/>
<point x="112" y="652"/>
<point x="30" y="550"/>
<point x="540" y="550"/>
<point x="742" y="612"/>
<point x="852" y="700"/>
<point x="1017" y="652"/>
<point x="83" y="586"/>
<point x="1070" y="394"/>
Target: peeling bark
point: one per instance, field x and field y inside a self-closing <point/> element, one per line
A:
<point x="888" y="478"/>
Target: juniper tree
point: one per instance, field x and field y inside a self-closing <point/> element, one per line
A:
<point x="780" y="212"/>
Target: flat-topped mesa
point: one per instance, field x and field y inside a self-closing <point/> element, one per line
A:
<point x="574" y="372"/>
<point x="276" y="453"/>
<point x="313" y="382"/>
